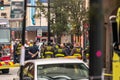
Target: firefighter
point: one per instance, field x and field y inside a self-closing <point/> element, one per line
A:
<point x="61" y="51"/>
<point x="48" y="51"/>
<point x="86" y="54"/>
<point x="18" y="51"/>
<point x="42" y="48"/>
<point x="76" y="51"/>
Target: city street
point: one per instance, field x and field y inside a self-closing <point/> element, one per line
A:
<point x="88" y="30"/>
<point x="12" y="74"/>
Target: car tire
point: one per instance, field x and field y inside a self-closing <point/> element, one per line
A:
<point x="5" y="71"/>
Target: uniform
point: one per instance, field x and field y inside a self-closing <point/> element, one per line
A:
<point x="76" y="51"/>
<point x="59" y="52"/>
<point x="48" y="52"/>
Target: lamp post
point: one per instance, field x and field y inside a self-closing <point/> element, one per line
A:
<point x="23" y="42"/>
<point x="48" y="22"/>
<point x="96" y="40"/>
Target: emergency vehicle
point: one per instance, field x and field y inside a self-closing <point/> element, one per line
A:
<point x="116" y="47"/>
<point x="115" y="22"/>
<point x="5" y="46"/>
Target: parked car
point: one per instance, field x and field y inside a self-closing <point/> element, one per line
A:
<point x="55" y="69"/>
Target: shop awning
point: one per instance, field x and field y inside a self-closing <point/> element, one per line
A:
<point x="32" y="28"/>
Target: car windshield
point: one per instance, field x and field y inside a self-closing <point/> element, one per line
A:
<point x="66" y="71"/>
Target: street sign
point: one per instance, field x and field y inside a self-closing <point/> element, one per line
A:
<point x="39" y="32"/>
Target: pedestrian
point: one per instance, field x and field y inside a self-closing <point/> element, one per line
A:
<point x="31" y="43"/>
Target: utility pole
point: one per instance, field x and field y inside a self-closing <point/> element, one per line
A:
<point x="48" y="22"/>
<point x="96" y="38"/>
<point x="23" y="41"/>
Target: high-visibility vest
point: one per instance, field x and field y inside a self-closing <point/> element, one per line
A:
<point x="49" y="52"/>
<point x="77" y="52"/>
<point x="18" y="51"/>
<point x="59" y="53"/>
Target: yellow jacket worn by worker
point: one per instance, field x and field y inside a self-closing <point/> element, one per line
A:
<point x="59" y="53"/>
<point x="48" y="52"/>
<point x="18" y="50"/>
<point x="76" y="51"/>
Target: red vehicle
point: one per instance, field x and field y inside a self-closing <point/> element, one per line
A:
<point x="5" y="45"/>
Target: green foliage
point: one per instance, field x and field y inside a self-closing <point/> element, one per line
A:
<point x="60" y="16"/>
<point x="40" y="9"/>
<point x="71" y="11"/>
<point x="64" y="12"/>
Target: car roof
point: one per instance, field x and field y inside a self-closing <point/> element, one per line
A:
<point x="55" y="61"/>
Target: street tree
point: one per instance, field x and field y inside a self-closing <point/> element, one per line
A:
<point x="59" y="18"/>
<point x="66" y="16"/>
<point x="77" y="15"/>
<point x="69" y="13"/>
<point x="41" y="10"/>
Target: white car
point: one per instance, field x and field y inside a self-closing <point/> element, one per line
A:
<point x="55" y="69"/>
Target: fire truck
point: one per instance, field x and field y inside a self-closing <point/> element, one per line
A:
<point x="115" y="23"/>
<point x="116" y="47"/>
<point x="5" y="46"/>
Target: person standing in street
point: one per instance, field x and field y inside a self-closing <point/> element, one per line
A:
<point x="33" y="51"/>
<point x="62" y="51"/>
<point x="48" y="51"/>
<point x="77" y="51"/>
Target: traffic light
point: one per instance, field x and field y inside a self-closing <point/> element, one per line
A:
<point x="1" y="4"/>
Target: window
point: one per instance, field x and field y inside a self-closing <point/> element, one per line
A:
<point x="29" y="1"/>
<point x="43" y="1"/>
<point x="72" y="70"/>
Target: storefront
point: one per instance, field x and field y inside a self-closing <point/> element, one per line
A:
<point x="31" y="32"/>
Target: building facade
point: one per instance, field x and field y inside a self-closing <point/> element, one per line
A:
<point x="13" y="11"/>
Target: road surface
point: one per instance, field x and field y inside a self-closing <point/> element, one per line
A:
<point x="12" y="74"/>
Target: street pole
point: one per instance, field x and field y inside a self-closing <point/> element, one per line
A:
<point x="48" y="22"/>
<point x="23" y="42"/>
<point x="96" y="40"/>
